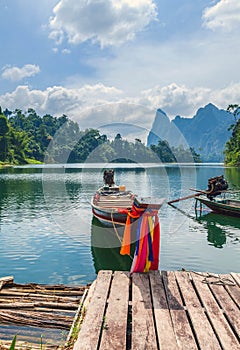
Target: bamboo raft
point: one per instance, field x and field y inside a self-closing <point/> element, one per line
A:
<point x="162" y="310"/>
<point x="38" y="313"/>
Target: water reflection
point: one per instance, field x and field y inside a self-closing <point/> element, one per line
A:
<point x="220" y="229"/>
<point x="233" y="175"/>
<point x="46" y="222"/>
<point x="105" y="246"/>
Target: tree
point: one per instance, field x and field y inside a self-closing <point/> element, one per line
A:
<point x="19" y="141"/>
<point x="4" y="127"/>
<point x="232" y="148"/>
<point x="163" y="151"/>
<point x="234" y="109"/>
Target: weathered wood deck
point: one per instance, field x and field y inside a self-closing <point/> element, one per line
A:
<point x="162" y="310"/>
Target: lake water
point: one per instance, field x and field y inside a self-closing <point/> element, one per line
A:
<point x="48" y="235"/>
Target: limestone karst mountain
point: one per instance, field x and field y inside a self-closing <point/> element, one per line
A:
<point x="207" y="131"/>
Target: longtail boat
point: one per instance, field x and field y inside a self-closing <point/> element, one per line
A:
<point x="111" y="204"/>
<point x="221" y="205"/>
<point x="216" y="186"/>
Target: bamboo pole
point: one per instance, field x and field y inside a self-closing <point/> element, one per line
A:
<point x="5" y="280"/>
<point x="184" y="198"/>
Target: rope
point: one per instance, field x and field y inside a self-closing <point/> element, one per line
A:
<point x="221" y="281"/>
<point x="117" y="234"/>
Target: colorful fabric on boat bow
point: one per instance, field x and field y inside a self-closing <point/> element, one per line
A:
<point x="146" y="256"/>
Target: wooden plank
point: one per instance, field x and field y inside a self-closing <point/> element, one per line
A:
<point x="143" y="331"/>
<point x="236" y="277"/>
<point x="76" y="318"/>
<point x="205" y="335"/>
<point x="91" y="328"/>
<point x="233" y="290"/>
<point x="115" y="323"/>
<point x="166" y="336"/>
<point x="229" y="307"/>
<point x="181" y="325"/>
<point x="215" y="314"/>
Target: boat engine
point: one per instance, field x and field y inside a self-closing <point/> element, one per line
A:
<point x="216" y="185"/>
<point x="108" y="177"/>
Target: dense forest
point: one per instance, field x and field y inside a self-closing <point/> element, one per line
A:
<point x="29" y="138"/>
<point x="232" y="149"/>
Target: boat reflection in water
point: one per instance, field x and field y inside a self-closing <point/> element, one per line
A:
<point x="106" y="245"/>
<point x="220" y="229"/>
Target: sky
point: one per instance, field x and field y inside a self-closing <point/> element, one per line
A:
<point x="102" y="62"/>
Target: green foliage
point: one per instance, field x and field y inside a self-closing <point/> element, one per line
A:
<point x="4" y="127"/>
<point x="232" y="148"/>
<point x="169" y="154"/>
<point x="29" y="138"/>
<point x="234" y="109"/>
<point x="13" y="344"/>
<point x="163" y="151"/>
<point x="39" y="129"/>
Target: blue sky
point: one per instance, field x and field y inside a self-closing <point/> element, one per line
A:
<point x="106" y="61"/>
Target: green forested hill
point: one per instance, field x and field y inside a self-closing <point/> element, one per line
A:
<point x="27" y="137"/>
<point x="232" y="149"/>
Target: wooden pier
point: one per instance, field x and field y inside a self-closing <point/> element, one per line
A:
<point x="156" y="311"/>
<point x="162" y="310"/>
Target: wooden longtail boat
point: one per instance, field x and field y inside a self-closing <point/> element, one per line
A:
<point x="106" y="204"/>
<point x="111" y="203"/>
<point x="216" y="186"/>
<point x="221" y="205"/>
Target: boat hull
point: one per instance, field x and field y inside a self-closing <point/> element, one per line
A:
<point x="224" y="206"/>
<point x="109" y="217"/>
<point x="111" y="204"/>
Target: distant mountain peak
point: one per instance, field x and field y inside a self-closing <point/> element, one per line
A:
<point x="210" y="106"/>
<point x="159" y="110"/>
<point x="207" y="109"/>
<point x="207" y="131"/>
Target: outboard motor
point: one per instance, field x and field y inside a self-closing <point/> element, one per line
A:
<point x="108" y="177"/>
<point x="216" y="185"/>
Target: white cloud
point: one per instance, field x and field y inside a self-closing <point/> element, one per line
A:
<point x="66" y="51"/>
<point x="176" y="99"/>
<point x="58" y="100"/>
<point x="109" y="22"/>
<point x="98" y="105"/>
<point x="17" y="74"/>
<point x="224" y="15"/>
<point x="23" y="98"/>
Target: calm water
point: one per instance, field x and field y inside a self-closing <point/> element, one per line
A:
<point x="48" y="236"/>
